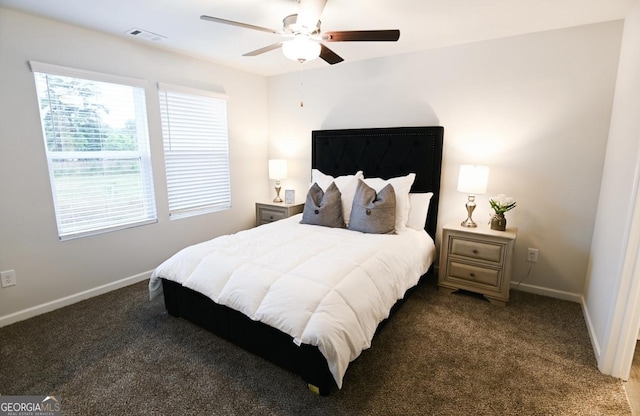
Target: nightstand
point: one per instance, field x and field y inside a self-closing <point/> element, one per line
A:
<point x="267" y="212"/>
<point x="478" y="260"/>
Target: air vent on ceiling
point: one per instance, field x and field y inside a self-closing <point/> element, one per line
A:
<point x="143" y="34"/>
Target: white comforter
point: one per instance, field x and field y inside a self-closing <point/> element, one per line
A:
<point x="325" y="287"/>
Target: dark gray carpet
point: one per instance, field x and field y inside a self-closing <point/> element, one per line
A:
<point x="440" y="354"/>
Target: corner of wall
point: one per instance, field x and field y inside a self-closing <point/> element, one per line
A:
<point x="595" y="343"/>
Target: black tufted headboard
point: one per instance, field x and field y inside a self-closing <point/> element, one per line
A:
<point x="384" y="153"/>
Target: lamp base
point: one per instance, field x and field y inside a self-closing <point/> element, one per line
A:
<point x="468" y="223"/>
<point x="470" y="205"/>
<point x="278" y="187"/>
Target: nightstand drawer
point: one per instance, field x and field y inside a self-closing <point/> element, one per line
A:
<point x="471" y="273"/>
<point x="477" y="250"/>
<point x="270" y="215"/>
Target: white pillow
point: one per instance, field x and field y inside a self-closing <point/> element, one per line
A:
<point x="401" y="186"/>
<point x="418" y="210"/>
<point x="347" y="185"/>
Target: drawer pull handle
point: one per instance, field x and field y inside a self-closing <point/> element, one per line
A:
<point x="472" y="274"/>
<point x="271" y="217"/>
<point x="475" y="251"/>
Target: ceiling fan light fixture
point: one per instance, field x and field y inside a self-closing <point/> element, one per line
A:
<point x="301" y="49"/>
<point x="303" y="30"/>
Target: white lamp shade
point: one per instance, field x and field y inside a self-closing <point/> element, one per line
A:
<point x="277" y="169"/>
<point x="473" y="179"/>
<point x="301" y="49"/>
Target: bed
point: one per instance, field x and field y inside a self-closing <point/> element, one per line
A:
<point x="282" y="263"/>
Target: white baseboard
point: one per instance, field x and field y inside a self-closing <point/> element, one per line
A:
<point x="544" y="291"/>
<point x="70" y="300"/>
<point x="592" y="335"/>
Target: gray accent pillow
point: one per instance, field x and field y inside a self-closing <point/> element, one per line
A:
<point x="323" y="208"/>
<point x="373" y="213"/>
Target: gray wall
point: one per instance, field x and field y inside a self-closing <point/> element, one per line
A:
<point x="535" y="108"/>
<point x="49" y="270"/>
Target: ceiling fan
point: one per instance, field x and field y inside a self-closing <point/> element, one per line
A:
<point x="303" y="37"/>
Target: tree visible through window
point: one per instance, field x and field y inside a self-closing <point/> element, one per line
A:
<point x="97" y="148"/>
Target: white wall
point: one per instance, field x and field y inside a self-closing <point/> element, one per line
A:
<point x="535" y="108"/>
<point x="47" y="269"/>
<point x="607" y="286"/>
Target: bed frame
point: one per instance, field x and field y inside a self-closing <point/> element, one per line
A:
<point x="382" y="152"/>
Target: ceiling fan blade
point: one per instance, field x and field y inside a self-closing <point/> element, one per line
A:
<point x="232" y="23"/>
<point x="309" y="13"/>
<point x="263" y="50"/>
<point x="329" y="56"/>
<point x="362" y="36"/>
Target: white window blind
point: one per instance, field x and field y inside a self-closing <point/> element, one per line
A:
<point x="196" y="150"/>
<point x="97" y="145"/>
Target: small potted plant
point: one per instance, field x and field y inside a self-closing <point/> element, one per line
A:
<point x="500" y="205"/>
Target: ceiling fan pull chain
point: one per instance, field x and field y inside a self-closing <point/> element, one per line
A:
<point x="301" y="87"/>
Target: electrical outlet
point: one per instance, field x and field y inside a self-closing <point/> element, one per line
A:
<point x="8" y="278"/>
<point x="532" y="255"/>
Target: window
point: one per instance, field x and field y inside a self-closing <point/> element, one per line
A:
<point x="97" y="146"/>
<point x="196" y="150"/>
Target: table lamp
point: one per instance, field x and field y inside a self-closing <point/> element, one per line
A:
<point x="277" y="171"/>
<point x="472" y="180"/>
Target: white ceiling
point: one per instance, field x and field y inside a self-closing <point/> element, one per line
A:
<point x="423" y="24"/>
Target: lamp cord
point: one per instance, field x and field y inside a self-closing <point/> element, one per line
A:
<point x="526" y="276"/>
